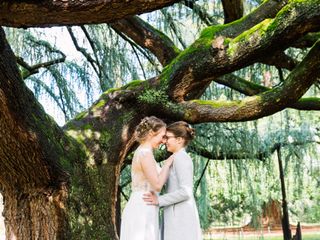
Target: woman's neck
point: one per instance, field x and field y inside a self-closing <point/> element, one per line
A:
<point x="146" y="145"/>
<point x="178" y="149"/>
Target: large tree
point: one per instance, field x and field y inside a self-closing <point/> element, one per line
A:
<point x="61" y="183"/>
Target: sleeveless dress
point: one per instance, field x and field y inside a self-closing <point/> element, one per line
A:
<point x="139" y="220"/>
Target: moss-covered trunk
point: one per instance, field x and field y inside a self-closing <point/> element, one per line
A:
<point x="60" y="183"/>
<point x="103" y="134"/>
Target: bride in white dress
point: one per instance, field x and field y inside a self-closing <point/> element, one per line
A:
<point x="140" y="220"/>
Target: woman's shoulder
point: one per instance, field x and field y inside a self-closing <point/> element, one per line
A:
<point x="182" y="155"/>
<point x="143" y="151"/>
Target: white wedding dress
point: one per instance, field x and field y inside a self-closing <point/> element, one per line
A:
<point x="139" y="220"/>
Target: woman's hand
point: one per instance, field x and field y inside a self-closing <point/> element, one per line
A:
<point x="169" y="161"/>
<point x="151" y="198"/>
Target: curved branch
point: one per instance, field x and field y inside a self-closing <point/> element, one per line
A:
<point x="148" y="37"/>
<point x="249" y="88"/>
<point x="223" y="55"/>
<point x="46" y="13"/>
<point x="267" y="103"/>
<point x="93" y="47"/>
<point x="173" y="27"/>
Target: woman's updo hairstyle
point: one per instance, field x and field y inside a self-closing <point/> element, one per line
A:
<point x="147" y="125"/>
<point x="183" y="130"/>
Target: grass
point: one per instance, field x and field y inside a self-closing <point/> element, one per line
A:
<point x="306" y="236"/>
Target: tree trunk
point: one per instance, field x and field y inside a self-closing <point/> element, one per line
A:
<point x="298" y="235"/>
<point x="59" y="183"/>
<point x="285" y="217"/>
<point x="36" y="215"/>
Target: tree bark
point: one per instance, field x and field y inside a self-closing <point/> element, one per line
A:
<point x="233" y="10"/>
<point x="49" y="13"/>
<point x="148" y="37"/>
<point x="33" y="181"/>
<point x="36" y="214"/>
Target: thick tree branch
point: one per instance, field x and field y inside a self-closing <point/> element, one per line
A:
<point x="267" y="103"/>
<point x="48" y="13"/>
<point x="222" y="55"/>
<point x="147" y="37"/>
<point x="268" y="9"/>
<point x="211" y="57"/>
<point x="249" y="88"/>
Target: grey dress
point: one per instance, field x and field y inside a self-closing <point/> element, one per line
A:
<point x="181" y="219"/>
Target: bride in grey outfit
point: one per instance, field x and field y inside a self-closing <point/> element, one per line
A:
<point x="181" y="219"/>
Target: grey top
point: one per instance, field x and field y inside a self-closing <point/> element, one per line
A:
<point x="181" y="219"/>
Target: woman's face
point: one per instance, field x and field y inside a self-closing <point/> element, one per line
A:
<point x="158" y="138"/>
<point x="173" y="143"/>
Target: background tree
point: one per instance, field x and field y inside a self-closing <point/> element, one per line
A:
<point x="64" y="179"/>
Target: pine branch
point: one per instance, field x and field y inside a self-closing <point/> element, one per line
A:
<point x="84" y="52"/>
<point x="35" y="68"/>
<point x="136" y="46"/>
<point x="203" y="15"/>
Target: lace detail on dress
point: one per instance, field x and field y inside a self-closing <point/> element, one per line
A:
<point x="139" y="181"/>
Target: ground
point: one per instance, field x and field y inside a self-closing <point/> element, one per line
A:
<point x="309" y="232"/>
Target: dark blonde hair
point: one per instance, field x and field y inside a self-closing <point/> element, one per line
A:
<point x="183" y="130"/>
<point x="147" y="125"/>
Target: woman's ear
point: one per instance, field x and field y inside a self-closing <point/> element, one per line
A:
<point x="180" y="140"/>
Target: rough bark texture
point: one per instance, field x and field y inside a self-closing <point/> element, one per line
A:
<point x="33" y="182"/>
<point x="250" y="89"/>
<point x="148" y="37"/>
<point x="105" y="135"/>
<point x="233" y="10"/>
<point x="222" y="54"/>
<point x="297" y="83"/>
<point x="37" y="214"/>
<point x="57" y="184"/>
<point x="48" y="13"/>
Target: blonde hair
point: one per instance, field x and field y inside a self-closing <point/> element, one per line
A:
<point x="183" y="130"/>
<point x="147" y="125"/>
